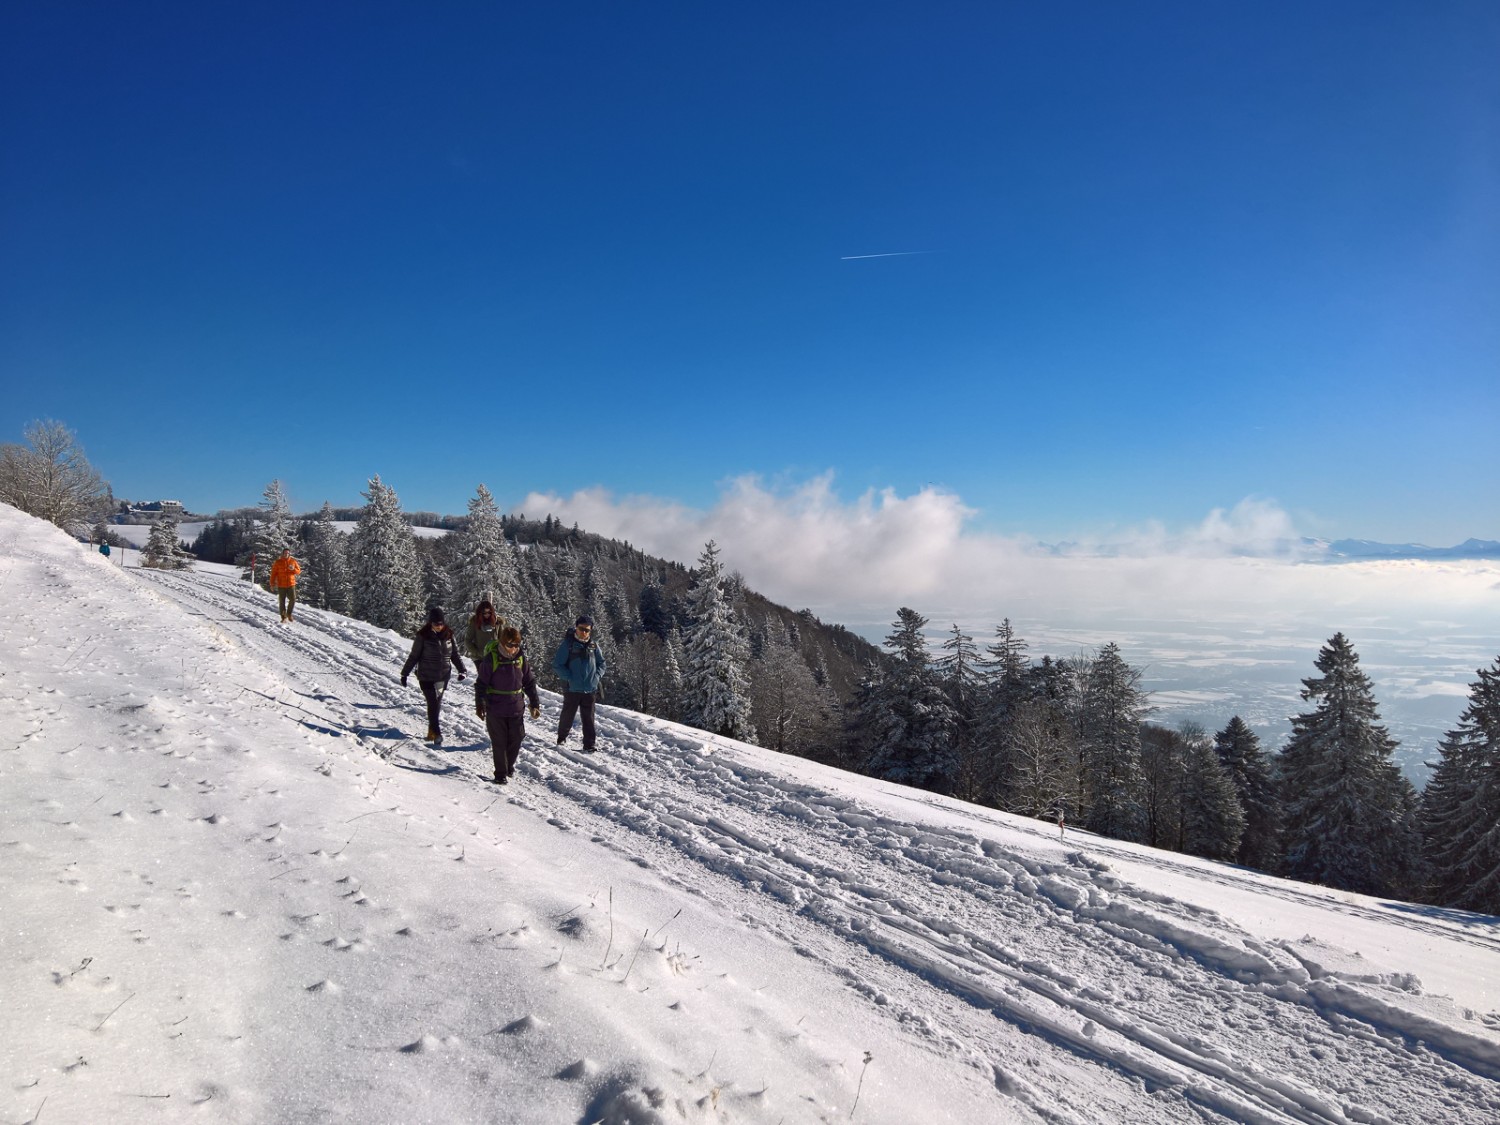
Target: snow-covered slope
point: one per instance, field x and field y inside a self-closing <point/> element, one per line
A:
<point x="235" y="884"/>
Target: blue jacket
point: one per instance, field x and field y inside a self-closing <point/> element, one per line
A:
<point x="579" y="664"/>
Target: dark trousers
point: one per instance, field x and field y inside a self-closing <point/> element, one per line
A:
<point x="432" y="691"/>
<point x="506" y="733"/>
<point x="286" y="599"/>
<point x="577" y="702"/>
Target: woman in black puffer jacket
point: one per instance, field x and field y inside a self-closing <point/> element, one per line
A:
<point x="431" y="653"/>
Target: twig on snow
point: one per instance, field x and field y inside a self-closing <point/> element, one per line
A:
<point x="117" y="1007"/>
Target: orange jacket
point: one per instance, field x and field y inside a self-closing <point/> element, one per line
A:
<point x="284" y="573"/>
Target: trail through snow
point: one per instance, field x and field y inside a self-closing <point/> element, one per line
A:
<point x="233" y="876"/>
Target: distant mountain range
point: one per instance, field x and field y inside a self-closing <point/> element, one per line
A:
<point x="1305" y="549"/>
<point x="1368" y="549"/>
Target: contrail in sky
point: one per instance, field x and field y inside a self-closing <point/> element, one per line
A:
<point x="897" y="254"/>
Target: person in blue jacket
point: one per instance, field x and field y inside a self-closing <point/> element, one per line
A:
<point x="579" y="664"/>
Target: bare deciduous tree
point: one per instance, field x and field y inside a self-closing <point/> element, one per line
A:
<point x="50" y="478"/>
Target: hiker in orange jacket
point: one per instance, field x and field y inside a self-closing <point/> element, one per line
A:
<point x="284" y="573"/>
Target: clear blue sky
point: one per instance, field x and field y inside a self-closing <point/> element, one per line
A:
<point x="1172" y="255"/>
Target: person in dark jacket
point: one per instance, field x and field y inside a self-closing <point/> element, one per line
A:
<point x="431" y="652"/>
<point x="502" y="676"/>
<point x="579" y="664"/>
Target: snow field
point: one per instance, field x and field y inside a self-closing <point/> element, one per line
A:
<point x="239" y="885"/>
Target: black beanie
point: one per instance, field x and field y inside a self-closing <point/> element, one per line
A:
<point x="435" y="615"/>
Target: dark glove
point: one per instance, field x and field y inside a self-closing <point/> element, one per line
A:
<point x="479" y="709"/>
<point x="403" y="681"/>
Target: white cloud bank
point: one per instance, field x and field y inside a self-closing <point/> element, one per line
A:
<point x="857" y="561"/>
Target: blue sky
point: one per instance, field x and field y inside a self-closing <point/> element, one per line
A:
<point x="1172" y="256"/>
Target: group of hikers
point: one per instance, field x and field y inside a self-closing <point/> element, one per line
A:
<point x="504" y="681"/>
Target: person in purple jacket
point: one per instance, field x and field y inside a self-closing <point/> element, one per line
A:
<point x="504" y="677"/>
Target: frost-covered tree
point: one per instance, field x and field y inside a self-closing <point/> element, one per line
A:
<point x="1040" y="758"/>
<point x="1461" y="807"/>
<point x="164" y="550"/>
<point x="50" y="478"/>
<point x="383" y="561"/>
<point x="1249" y="768"/>
<point x="792" y="714"/>
<point x="1164" y="766"/>
<point x="1212" y="820"/>
<point x="275" y="530"/>
<point x="1349" y="812"/>
<point x="326" y="580"/>
<point x="484" y="561"/>
<point x="903" y="722"/>
<point x="715" y="689"/>
<point x="1110" y="711"/>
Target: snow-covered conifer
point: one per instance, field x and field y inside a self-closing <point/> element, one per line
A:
<point x="326" y="580"/>
<point x="484" y="564"/>
<point x="383" y="561"/>
<point x="1212" y="820"/>
<point x="1348" y="810"/>
<point x="1111" y="708"/>
<point x="715" y="690"/>
<point x="275" y="530"/>
<point x="1249" y="767"/>
<point x="1461" y="806"/>
<point x="164" y="550"/>
<point x="905" y="733"/>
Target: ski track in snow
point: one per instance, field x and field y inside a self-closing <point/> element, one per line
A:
<point x="1092" y="971"/>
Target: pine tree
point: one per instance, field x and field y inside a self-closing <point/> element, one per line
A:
<point x="905" y="732"/>
<point x="484" y="561"/>
<point x="1348" y="810"/>
<point x="383" y="560"/>
<point x="715" y="689"/>
<point x="325" y="578"/>
<point x="164" y="550"/>
<point x="275" y="530"/>
<point x="1212" y="820"/>
<point x="1461" y="807"/>
<point x="1249" y="768"/>
<point x="1111" y="709"/>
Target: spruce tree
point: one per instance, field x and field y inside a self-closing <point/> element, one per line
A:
<point x="275" y="530"/>
<point x="1111" y="707"/>
<point x="164" y="550"/>
<point x="484" y="562"/>
<point x="325" y="574"/>
<point x="715" y="689"/>
<point x="383" y="561"/>
<point x="905" y="733"/>
<point x="1212" y="820"/>
<point x="1461" y="806"/>
<point x="1348" y="810"/>
<point x="1249" y="768"/>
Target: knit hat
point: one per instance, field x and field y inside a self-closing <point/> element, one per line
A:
<point x="435" y="615"/>
<point x="584" y="619"/>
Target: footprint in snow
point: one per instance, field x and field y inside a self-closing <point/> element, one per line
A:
<point x="527" y="1022"/>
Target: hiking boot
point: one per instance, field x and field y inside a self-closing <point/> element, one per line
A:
<point x="430" y="735"/>
<point x="437" y="740"/>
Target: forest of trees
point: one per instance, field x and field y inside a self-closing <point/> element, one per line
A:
<point x="1061" y="739"/>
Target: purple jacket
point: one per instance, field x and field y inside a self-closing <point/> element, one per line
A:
<point x="502" y="681"/>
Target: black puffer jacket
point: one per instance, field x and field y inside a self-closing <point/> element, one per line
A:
<point x="431" y="653"/>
